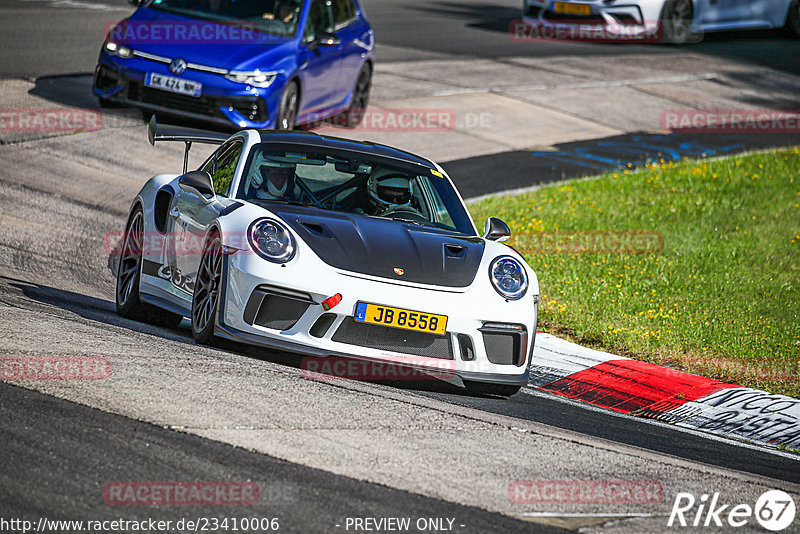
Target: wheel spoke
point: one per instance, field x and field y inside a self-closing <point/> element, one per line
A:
<point x="208" y="277"/>
<point x="131" y="259"/>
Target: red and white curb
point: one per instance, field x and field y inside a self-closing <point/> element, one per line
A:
<point x="645" y="390"/>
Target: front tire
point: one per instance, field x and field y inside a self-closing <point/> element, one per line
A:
<point x="129" y="273"/>
<point x="676" y="22"/>
<point x="360" y="99"/>
<point x="793" y="19"/>
<point x="287" y="113"/>
<point x="483" y="388"/>
<point x="205" y="301"/>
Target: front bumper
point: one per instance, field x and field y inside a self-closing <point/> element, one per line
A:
<point x="487" y="338"/>
<point x="607" y="21"/>
<point x="222" y="102"/>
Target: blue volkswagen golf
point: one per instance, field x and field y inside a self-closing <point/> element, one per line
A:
<point x="240" y="63"/>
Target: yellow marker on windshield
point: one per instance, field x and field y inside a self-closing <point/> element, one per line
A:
<point x="437" y="173"/>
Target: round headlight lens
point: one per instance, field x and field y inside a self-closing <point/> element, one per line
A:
<point x="509" y="277"/>
<point x="271" y="240"/>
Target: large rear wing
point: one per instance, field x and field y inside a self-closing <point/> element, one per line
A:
<point x="185" y="135"/>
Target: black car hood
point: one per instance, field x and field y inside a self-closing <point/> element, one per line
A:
<point x="377" y="247"/>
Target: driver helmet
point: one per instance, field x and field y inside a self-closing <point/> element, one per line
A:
<point x="389" y="189"/>
<point x="272" y="179"/>
<point x="287" y="11"/>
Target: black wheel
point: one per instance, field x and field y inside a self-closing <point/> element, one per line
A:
<point x="129" y="270"/>
<point x="287" y="114"/>
<point x="676" y="22"/>
<point x="360" y="100"/>
<point x="482" y="388"/>
<point x="793" y="19"/>
<point x="205" y="300"/>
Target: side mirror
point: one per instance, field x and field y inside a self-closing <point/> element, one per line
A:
<point x="325" y="39"/>
<point x="198" y="183"/>
<point x="496" y="230"/>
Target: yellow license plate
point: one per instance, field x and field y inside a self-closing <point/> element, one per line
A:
<point x="401" y="318"/>
<point x="572" y="9"/>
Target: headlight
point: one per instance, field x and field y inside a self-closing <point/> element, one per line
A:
<point x="508" y="277"/>
<point x="115" y="49"/>
<point x="255" y="78"/>
<point x="271" y="240"/>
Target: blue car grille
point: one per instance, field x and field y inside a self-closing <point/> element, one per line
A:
<point x="252" y="108"/>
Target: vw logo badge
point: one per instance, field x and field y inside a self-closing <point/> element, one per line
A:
<point x="177" y="66"/>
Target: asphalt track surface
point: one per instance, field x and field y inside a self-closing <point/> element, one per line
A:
<point x="56" y="463"/>
<point x="596" y="156"/>
<point x="57" y="455"/>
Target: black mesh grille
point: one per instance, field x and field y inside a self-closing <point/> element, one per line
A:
<point x="280" y="313"/>
<point x="252" y="108"/>
<point x="379" y="337"/>
<point x="568" y="18"/>
<point x="191" y="104"/>
<point x="502" y="348"/>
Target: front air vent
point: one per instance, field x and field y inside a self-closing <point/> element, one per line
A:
<point x="276" y="308"/>
<point x="505" y="343"/>
<point x="322" y="325"/>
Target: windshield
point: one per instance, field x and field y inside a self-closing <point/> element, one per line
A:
<point x="353" y="183"/>
<point x="276" y="17"/>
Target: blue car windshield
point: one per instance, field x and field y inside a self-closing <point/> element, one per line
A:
<point x="275" y="17"/>
<point x="353" y="182"/>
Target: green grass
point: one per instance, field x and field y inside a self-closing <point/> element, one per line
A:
<point x="721" y="299"/>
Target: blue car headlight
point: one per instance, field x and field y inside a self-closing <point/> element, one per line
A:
<point x="255" y="78"/>
<point x="271" y="240"/>
<point x="114" y="49"/>
<point x="508" y="277"/>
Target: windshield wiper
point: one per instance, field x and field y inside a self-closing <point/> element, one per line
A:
<point x="416" y="223"/>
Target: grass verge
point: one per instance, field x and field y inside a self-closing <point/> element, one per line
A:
<point x="693" y="265"/>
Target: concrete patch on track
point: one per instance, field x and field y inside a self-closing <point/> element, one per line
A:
<point x="649" y="391"/>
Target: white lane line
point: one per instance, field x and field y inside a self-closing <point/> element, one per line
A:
<point x="610" y="514"/>
<point x="699" y="433"/>
<point x="580" y="85"/>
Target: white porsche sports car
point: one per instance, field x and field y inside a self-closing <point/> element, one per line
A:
<point x="329" y="247"/>
<point x="674" y="21"/>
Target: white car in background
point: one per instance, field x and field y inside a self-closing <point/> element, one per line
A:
<point x="674" y="21"/>
<point x="329" y="247"/>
